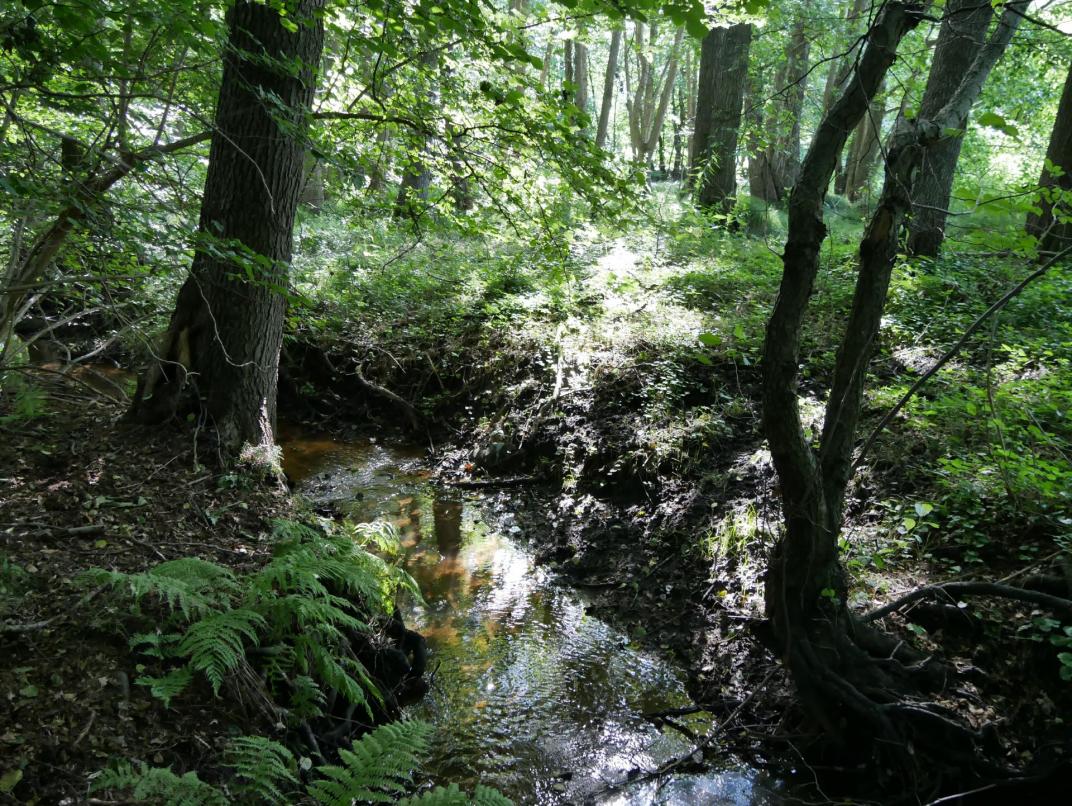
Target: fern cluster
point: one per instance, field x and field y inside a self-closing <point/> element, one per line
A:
<point x="377" y="769"/>
<point x="299" y="612"/>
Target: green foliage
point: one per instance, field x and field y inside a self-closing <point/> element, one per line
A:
<point x="298" y="609"/>
<point x="264" y="771"/>
<point x="158" y="785"/>
<point x="377" y="767"/>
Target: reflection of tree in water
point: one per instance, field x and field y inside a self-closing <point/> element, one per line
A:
<point x="447" y="515"/>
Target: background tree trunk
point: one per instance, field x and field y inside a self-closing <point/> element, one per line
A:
<point x="609" y="78"/>
<point x="720" y="92"/>
<point x="227" y="327"/>
<point x="778" y="167"/>
<point x="1054" y="236"/>
<point x="413" y="192"/>
<point x="580" y="75"/>
<point x="962" y="34"/>
<point x="865" y="147"/>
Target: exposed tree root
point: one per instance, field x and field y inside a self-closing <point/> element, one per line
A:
<point x="951" y="590"/>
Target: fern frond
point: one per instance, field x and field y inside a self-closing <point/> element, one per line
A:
<point x="190" y="586"/>
<point x="169" y="686"/>
<point x="379" y="763"/>
<point x="265" y="770"/>
<point x="216" y="645"/>
<point x="486" y="796"/>
<point x="159" y="785"/>
<point x="440" y="796"/>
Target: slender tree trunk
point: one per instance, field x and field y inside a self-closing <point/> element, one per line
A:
<point x="1043" y="225"/>
<point x="227" y="327"/>
<point x="841" y="67"/>
<point x="779" y="167"/>
<point x="723" y="76"/>
<point x="865" y="148"/>
<point x="609" y="78"/>
<point x="960" y="37"/>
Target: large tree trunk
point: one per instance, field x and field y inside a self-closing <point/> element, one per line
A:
<point x="720" y="91"/>
<point x="848" y="675"/>
<point x="227" y="328"/>
<point x="962" y="34"/>
<point x="1053" y="235"/>
<point x="609" y="77"/>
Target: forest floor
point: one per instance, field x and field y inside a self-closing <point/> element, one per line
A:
<point x="83" y="491"/>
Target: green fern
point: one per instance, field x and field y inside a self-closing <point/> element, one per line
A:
<point x="215" y="645"/>
<point x="380" y="763"/>
<point x="169" y="686"/>
<point x="158" y="785"/>
<point x="190" y="586"/>
<point x="304" y="606"/>
<point x="486" y="796"/>
<point x="265" y="771"/>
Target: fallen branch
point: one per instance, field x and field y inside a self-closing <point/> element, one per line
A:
<point x="994" y="589"/>
<point x="33" y="626"/>
<point x="483" y="484"/>
<point x="47" y="530"/>
<point x="407" y="407"/>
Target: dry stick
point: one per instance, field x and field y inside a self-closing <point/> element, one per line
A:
<point x="670" y="765"/>
<point x="1055" y="603"/>
<point x="941" y="362"/>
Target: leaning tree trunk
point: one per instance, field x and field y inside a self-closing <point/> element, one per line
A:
<point x="1053" y="235"/>
<point x="227" y="327"/>
<point x="848" y="676"/>
<point x="609" y="78"/>
<point x="962" y="34"/>
<point x="723" y="76"/>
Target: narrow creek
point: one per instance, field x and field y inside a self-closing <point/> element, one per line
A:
<point x="532" y="695"/>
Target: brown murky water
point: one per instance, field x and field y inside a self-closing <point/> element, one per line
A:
<point x="532" y="695"/>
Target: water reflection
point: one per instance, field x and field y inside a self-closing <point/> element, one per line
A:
<point x="532" y="695"/>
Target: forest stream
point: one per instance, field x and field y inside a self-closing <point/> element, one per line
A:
<point x="530" y="695"/>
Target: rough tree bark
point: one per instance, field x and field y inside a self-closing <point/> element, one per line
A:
<point x="849" y="676"/>
<point x="962" y="33"/>
<point x="227" y="328"/>
<point x="609" y="77"/>
<point x="720" y="92"/>
<point x="1053" y="235"/>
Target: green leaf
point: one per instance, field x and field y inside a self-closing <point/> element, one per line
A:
<point x="710" y="339"/>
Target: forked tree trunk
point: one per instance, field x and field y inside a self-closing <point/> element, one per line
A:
<point x="1054" y="235"/>
<point x="848" y="676"/>
<point x="227" y="327"/>
<point x="962" y="34"/>
<point x="723" y="76"/>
